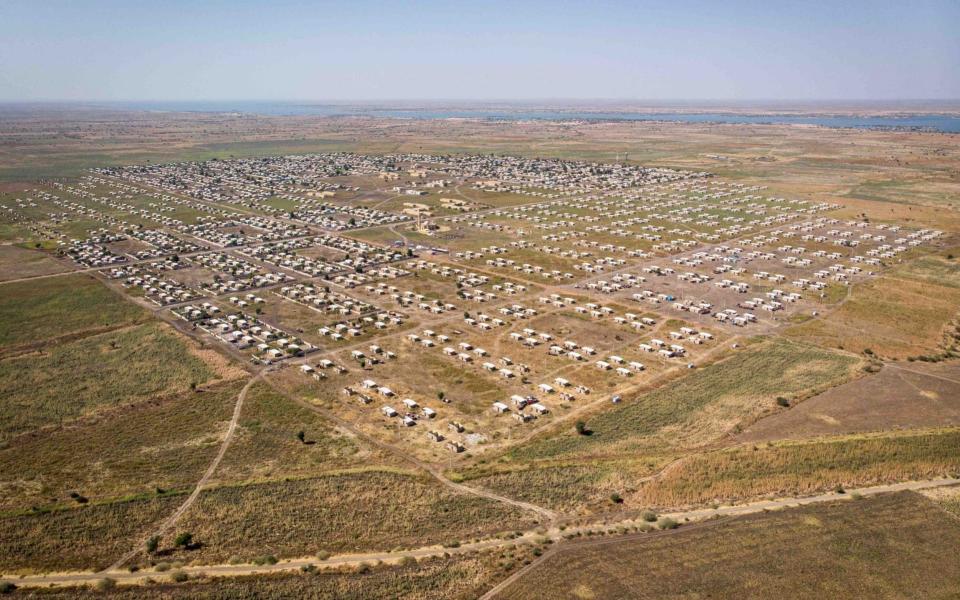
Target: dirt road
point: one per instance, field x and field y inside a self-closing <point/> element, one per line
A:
<point x="699" y="517"/>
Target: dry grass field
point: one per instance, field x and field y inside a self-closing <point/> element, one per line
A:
<point x="890" y="546"/>
<point x="266" y="445"/>
<point x="457" y="578"/>
<point x="103" y="371"/>
<point x="572" y="487"/>
<point x="901" y="396"/>
<point x="161" y="442"/>
<point x="704" y="405"/>
<point x="17" y="262"/>
<point x="70" y="305"/>
<point x="89" y="537"/>
<point x="804" y="467"/>
<point x="910" y="312"/>
<point x="353" y="511"/>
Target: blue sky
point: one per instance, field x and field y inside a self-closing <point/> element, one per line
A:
<point x="362" y="50"/>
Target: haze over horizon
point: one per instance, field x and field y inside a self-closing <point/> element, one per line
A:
<point x="106" y="50"/>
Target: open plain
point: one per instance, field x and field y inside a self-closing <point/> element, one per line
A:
<point x="357" y="357"/>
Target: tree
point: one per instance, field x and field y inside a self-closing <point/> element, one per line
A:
<point x="581" y="428"/>
<point x="183" y="539"/>
<point x="302" y="435"/>
<point x="441" y="395"/>
<point x="152" y="544"/>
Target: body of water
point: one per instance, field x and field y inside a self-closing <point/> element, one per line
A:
<point x="931" y="122"/>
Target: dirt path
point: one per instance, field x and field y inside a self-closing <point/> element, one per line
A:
<point x="183" y="508"/>
<point x="920" y="373"/>
<point x="701" y="518"/>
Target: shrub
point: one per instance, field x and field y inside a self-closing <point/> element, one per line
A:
<point x="616" y="498"/>
<point x="183" y="539"/>
<point x="667" y="523"/>
<point x="105" y="584"/>
<point x="323" y="555"/>
<point x="781" y="401"/>
<point x="7" y="587"/>
<point x="152" y="544"/>
<point x="649" y="516"/>
<point x="179" y="576"/>
<point x="161" y="567"/>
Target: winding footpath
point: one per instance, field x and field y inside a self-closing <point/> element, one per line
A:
<point x="170" y="521"/>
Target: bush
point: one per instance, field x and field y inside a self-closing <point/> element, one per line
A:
<point x="152" y="544"/>
<point x="581" y="428"/>
<point x="323" y="555"/>
<point x="179" y="576"/>
<point x="781" y="401"/>
<point x="183" y="539"/>
<point x="266" y="559"/>
<point x="667" y="523"/>
<point x="616" y="498"/>
<point x="649" y="516"/>
<point x="105" y="584"/>
<point x="7" y="587"/>
<point x="161" y="567"/>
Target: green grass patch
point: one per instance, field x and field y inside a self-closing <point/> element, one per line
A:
<point x="106" y="370"/>
<point x="31" y="311"/>
<point x="703" y="405"/>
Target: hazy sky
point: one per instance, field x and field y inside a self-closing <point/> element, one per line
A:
<point x="361" y="49"/>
